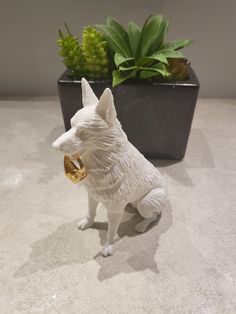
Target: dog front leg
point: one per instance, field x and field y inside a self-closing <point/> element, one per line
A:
<point x="114" y="219"/>
<point x="88" y="220"/>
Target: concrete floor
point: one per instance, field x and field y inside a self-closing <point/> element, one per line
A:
<point x="184" y="264"/>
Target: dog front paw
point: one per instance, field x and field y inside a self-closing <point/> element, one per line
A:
<point x="85" y="223"/>
<point x="107" y="250"/>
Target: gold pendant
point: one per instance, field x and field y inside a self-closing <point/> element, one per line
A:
<point x="73" y="172"/>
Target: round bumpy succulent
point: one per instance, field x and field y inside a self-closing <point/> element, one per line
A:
<point x="94" y="47"/>
<point x="72" y="53"/>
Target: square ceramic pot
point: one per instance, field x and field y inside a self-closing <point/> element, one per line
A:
<point x="156" y="116"/>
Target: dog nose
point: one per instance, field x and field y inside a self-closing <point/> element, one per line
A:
<point x="57" y="145"/>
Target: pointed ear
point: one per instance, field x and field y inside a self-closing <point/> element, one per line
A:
<point x="88" y="96"/>
<point x="106" y="108"/>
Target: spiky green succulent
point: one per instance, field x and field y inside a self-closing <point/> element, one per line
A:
<point x="141" y="52"/>
<point x="90" y="59"/>
<point x="71" y="52"/>
<point x="94" y="47"/>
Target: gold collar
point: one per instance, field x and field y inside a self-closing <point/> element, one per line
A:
<point x="74" y="168"/>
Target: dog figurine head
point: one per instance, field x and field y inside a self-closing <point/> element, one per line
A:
<point x="91" y="126"/>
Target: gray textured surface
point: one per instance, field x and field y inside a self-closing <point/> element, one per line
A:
<point x="28" y="31"/>
<point x="184" y="264"/>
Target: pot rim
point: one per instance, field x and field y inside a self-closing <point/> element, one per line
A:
<point x="192" y="81"/>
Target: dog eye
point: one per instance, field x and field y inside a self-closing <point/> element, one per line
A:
<point x="82" y="134"/>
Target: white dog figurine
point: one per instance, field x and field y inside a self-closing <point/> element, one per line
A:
<point x="118" y="173"/>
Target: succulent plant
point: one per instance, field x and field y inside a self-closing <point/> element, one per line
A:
<point x="179" y="69"/>
<point x="141" y="53"/>
<point x="133" y="53"/>
<point x="94" y="47"/>
<point x="71" y="52"/>
<point x="89" y="59"/>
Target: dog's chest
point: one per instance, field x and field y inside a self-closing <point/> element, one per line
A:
<point x="127" y="179"/>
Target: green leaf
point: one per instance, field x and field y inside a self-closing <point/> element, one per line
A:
<point x="170" y="53"/>
<point x="159" y="57"/>
<point x="160" y="68"/>
<point x="134" y="33"/>
<point x="139" y="48"/>
<point x="114" y="40"/>
<point x="155" y="57"/>
<point x="161" y="35"/>
<point x="177" y="44"/>
<point x="119" y="77"/>
<point x="145" y="74"/>
<point x="67" y="28"/>
<point x="60" y="34"/>
<point x="128" y="68"/>
<point x="120" y="30"/>
<point x="149" y="35"/>
<point x="119" y="59"/>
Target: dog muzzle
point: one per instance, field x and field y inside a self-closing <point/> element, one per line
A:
<point x="74" y="168"/>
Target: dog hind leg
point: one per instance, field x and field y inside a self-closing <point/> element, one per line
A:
<point x="149" y="207"/>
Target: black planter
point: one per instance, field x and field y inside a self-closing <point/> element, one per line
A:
<point x="156" y="116"/>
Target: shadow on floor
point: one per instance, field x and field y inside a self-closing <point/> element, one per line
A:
<point x="69" y="246"/>
<point x="198" y="156"/>
<point x="138" y="251"/>
<point x="175" y="169"/>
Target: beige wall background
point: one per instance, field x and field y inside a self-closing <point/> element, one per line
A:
<point x="30" y="64"/>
